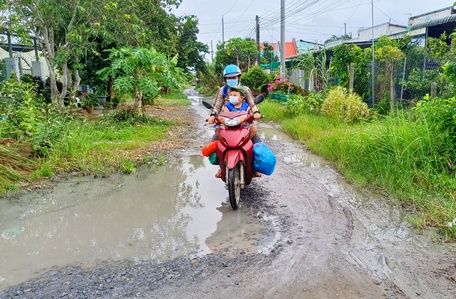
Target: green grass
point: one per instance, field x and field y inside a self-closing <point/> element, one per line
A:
<point x="100" y="147"/>
<point x="272" y="110"/>
<point x="175" y="98"/>
<point x="401" y="156"/>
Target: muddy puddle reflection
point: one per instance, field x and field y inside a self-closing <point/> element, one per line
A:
<point x="157" y="214"/>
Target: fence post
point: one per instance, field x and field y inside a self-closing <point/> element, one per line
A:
<point x="352" y="76"/>
<point x="433" y="89"/>
<point x="403" y="78"/>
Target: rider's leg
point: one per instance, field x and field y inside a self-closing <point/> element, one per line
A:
<point x="253" y="134"/>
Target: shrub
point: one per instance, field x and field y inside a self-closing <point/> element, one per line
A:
<point x="439" y="112"/>
<point x="281" y="85"/>
<point x="345" y="107"/>
<point x="255" y="78"/>
<point x="285" y="86"/>
<point x="298" y="104"/>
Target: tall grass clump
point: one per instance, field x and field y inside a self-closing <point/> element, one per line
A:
<point x="13" y="166"/>
<point x="399" y="154"/>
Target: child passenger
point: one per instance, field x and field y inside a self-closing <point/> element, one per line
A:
<point x="237" y="103"/>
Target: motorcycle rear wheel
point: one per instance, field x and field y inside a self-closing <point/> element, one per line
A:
<point x="234" y="186"/>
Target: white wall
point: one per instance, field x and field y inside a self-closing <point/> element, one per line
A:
<point x="28" y="57"/>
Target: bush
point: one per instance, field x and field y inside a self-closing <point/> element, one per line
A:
<point x="286" y="86"/>
<point x="29" y="119"/>
<point x="345" y="107"/>
<point x="255" y="78"/>
<point x="298" y="104"/>
<point x="440" y="113"/>
<point x="384" y="106"/>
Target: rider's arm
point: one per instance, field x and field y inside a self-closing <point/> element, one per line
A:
<point x="219" y="102"/>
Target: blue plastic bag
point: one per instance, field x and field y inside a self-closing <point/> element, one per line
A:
<point x="264" y="160"/>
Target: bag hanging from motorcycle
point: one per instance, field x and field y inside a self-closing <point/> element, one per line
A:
<point x="264" y="160"/>
<point x="209" y="148"/>
<point x="213" y="159"/>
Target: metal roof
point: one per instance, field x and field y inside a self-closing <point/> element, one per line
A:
<point x="435" y="22"/>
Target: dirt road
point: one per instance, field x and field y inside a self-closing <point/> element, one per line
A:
<point x="334" y="242"/>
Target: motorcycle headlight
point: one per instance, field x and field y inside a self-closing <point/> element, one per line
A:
<point x="232" y="122"/>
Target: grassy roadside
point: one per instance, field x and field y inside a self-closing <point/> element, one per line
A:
<point x="99" y="145"/>
<point x="396" y="155"/>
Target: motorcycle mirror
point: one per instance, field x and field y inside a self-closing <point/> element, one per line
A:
<point x="207" y="105"/>
<point x="258" y="99"/>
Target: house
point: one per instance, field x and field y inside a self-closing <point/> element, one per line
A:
<point x="306" y="46"/>
<point x="292" y="48"/>
<point x="432" y="24"/>
<point x="364" y="38"/>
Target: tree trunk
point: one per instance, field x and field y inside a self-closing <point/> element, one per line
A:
<point x="48" y="49"/>
<point x="138" y="94"/>
<point x="111" y="88"/>
<point x="65" y="74"/>
<point x="77" y="80"/>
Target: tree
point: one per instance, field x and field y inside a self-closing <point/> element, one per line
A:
<point x="388" y="53"/>
<point x="244" y="50"/>
<point x="66" y="30"/>
<point x="315" y="68"/>
<point x="268" y="54"/>
<point x="141" y="73"/>
<point x="189" y="49"/>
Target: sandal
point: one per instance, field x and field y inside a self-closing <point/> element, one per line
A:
<point x="218" y="174"/>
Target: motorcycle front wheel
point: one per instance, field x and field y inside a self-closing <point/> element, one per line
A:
<point x="234" y="186"/>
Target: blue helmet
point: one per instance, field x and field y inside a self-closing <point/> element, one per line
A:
<point x="231" y="70"/>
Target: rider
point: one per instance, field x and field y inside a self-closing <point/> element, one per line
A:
<point x="237" y="103"/>
<point x="232" y="76"/>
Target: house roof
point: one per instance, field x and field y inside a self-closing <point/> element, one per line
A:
<point x="435" y="22"/>
<point x="290" y="49"/>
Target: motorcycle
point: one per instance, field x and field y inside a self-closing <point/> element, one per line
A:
<point x="235" y="150"/>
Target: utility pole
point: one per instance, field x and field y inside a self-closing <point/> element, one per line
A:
<point x="373" y="55"/>
<point x="258" y="38"/>
<point x="223" y="31"/>
<point x="212" y="52"/>
<point x="282" y="39"/>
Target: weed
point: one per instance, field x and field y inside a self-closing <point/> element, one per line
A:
<point x="128" y="167"/>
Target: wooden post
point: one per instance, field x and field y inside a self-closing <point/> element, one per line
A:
<point x="433" y="89"/>
<point x="352" y="76"/>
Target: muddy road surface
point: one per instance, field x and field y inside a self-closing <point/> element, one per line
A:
<point x="168" y="232"/>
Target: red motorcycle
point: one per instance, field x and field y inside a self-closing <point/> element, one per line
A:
<point x="235" y="150"/>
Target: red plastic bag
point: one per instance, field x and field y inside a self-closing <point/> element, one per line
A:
<point x="209" y="148"/>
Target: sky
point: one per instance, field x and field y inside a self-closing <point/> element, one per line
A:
<point x="309" y="20"/>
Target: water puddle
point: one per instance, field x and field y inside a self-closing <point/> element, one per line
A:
<point x="158" y="214"/>
<point x="272" y="133"/>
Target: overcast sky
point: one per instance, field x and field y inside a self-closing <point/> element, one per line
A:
<point x="310" y="20"/>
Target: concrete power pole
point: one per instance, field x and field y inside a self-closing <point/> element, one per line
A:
<point x="282" y="39"/>
<point x="258" y="38"/>
<point x="223" y="31"/>
<point x="212" y="52"/>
